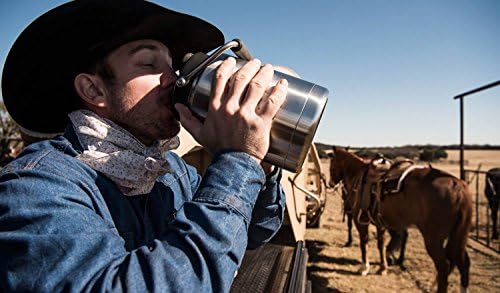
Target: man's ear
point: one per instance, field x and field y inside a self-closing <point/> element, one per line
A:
<point x="91" y="89"/>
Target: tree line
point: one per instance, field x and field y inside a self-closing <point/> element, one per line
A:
<point x="427" y="152"/>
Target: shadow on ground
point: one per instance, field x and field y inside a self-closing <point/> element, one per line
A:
<point x="320" y="284"/>
<point x="315" y="248"/>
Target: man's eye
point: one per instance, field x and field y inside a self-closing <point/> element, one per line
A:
<point x="149" y="65"/>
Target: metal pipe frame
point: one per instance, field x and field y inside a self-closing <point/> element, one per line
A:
<point x="461" y="97"/>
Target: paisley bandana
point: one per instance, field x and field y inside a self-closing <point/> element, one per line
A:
<point x="120" y="156"/>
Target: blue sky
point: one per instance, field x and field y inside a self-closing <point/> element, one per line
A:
<point x="392" y="66"/>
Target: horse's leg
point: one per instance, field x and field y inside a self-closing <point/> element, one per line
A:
<point x="394" y="243"/>
<point x="348" y="212"/>
<point x="363" y="241"/>
<point x="349" y="230"/>
<point x="494" y="218"/>
<point x="401" y="259"/>
<point x="391" y="247"/>
<point x="436" y="251"/>
<point x="381" y="250"/>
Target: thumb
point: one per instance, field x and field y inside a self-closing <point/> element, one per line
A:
<point x="188" y="121"/>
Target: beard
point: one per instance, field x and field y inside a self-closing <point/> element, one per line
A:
<point x="148" y="120"/>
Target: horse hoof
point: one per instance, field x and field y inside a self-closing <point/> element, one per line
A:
<point x="364" y="269"/>
<point x="382" y="271"/>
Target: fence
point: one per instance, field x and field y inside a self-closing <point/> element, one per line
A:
<point x="481" y="230"/>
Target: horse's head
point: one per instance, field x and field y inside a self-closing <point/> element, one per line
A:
<point x="344" y="165"/>
<point x="337" y="164"/>
<point x="335" y="177"/>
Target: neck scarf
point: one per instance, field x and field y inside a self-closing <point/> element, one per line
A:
<point x="115" y="152"/>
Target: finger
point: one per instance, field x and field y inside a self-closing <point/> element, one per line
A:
<point x="257" y="87"/>
<point x="219" y="83"/>
<point x="239" y="81"/>
<point x="270" y="105"/>
<point x="188" y="121"/>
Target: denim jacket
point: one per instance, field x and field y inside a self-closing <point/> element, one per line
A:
<point x="65" y="227"/>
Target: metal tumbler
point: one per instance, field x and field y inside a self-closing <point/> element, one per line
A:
<point x="294" y="125"/>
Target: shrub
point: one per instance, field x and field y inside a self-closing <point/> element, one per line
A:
<point x="430" y="155"/>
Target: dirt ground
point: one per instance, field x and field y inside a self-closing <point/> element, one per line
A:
<point x="334" y="268"/>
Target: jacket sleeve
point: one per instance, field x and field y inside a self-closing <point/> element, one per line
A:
<point x="268" y="213"/>
<point x="53" y="238"/>
<point x="269" y="209"/>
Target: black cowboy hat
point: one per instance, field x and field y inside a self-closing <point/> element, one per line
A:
<point x="37" y="82"/>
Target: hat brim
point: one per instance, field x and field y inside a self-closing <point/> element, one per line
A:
<point x="37" y="80"/>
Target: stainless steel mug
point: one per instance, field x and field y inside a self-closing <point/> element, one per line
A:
<point x="294" y="125"/>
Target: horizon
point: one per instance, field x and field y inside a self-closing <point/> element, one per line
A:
<point x="445" y="146"/>
<point x="392" y="67"/>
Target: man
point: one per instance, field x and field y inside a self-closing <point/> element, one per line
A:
<point x="106" y="206"/>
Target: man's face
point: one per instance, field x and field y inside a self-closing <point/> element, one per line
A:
<point x="137" y="100"/>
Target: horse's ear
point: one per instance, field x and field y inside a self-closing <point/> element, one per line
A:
<point x="334" y="148"/>
<point x="347" y="148"/>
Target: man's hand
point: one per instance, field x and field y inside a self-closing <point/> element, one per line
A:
<point x="241" y="109"/>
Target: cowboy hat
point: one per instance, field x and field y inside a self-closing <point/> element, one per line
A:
<point x="37" y="82"/>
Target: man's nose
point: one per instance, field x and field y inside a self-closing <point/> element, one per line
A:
<point x="167" y="78"/>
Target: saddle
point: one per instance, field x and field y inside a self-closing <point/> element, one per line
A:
<point x="383" y="177"/>
<point x="392" y="181"/>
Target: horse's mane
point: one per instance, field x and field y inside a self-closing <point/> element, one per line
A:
<point x="346" y="153"/>
<point x="351" y="162"/>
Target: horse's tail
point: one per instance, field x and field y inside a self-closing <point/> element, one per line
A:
<point x="457" y="240"/>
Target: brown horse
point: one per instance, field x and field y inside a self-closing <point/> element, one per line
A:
<point x="437" y="203"/>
